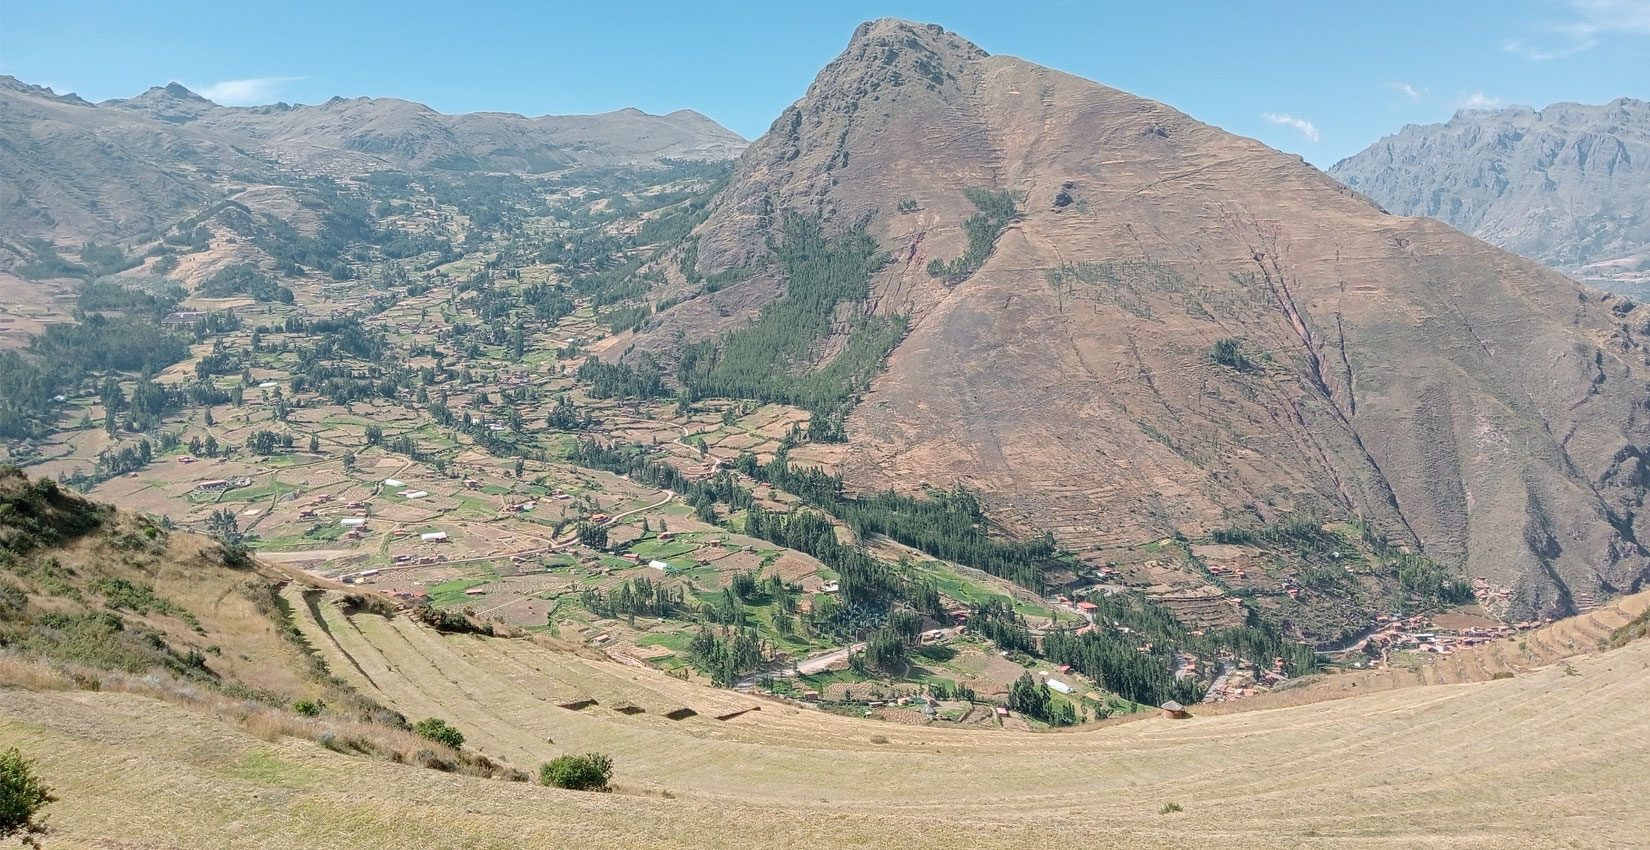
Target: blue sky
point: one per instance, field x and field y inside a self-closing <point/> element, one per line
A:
<point x="1322" y="79"/>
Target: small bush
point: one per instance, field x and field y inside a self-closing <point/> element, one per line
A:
<point x="589" y="772"/>
<point x="22" y="796"/>
<point x="307" y="707"/>
<point x="1503" y="674"/>
<point x="1170" y="808"/>
<point x="436" y="729"/>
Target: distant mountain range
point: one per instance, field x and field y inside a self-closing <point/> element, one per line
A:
<point x="1568" y="185"/>
<point x="108" y="170"/>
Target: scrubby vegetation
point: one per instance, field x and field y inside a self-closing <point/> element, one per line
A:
<point x="588" y="772"/>
<point x="996" y="211"/>
<point x="439" y="731"/>
<point x="1229" y="353"/>
<point x="23" y="798"/>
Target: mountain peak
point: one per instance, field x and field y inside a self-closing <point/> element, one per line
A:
<point x="900" y="49"/>
<point x="890" y="57"/>
<point x="914" y="35"/>
<point x="11" y="83"/>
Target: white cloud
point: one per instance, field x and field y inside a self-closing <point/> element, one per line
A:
<point x="1307" y="128"/>
<point x="1478" y="100"/>
<point x="253" y="92"/>
<point x="1407" y="90"/>
<point x="1588" y="22"/>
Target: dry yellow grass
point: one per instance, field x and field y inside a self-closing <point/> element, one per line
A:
<point x="1544" y="760"/>
<point x="1448" y="766"/>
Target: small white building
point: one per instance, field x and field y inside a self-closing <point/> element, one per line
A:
<point x="433" y="536"/>
<point x="659" y="565"/>
<point x="391" y="482"/>
<point x="352" y="522"/>
<point x="1060" y="686"/>
<point x="415" y="494"/>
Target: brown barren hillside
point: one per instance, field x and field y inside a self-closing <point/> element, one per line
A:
<point x="1185" y="330"/>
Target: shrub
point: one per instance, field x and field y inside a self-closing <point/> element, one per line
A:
<point x="1229" y="353"/>
<point x="307" y="707"/>
<point x="1170" y="808"/>
<point x="428" y="759"/>
<point x="22" y="796"/>
<point x="1501" y="674"/>
<point x="436" y="729"/>
<point x="589" y="772"/>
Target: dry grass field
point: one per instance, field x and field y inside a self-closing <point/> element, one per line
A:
<point x="1544" y="759"/>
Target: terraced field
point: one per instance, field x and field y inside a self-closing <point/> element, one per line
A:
<point x="1395" y="767"/>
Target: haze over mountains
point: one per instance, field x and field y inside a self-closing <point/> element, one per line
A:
<point x="1452" y="395"/>
<point x="1568" y="185"/>
<point x="121" y="167"/>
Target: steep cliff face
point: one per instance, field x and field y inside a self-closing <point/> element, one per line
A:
<point x="1568" y="185"/>
<point x="1185" y="330"/>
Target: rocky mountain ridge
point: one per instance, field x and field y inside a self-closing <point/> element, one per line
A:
<point x="1567" y="185"/>
<point x="72" y="169"/>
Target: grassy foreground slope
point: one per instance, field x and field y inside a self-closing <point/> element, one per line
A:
<point x="1543" y="759"/>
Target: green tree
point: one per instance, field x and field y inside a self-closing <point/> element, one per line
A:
<point x="589" y="772"/>
<point x="22" y="796"/>
<point x="223" y="525"/>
